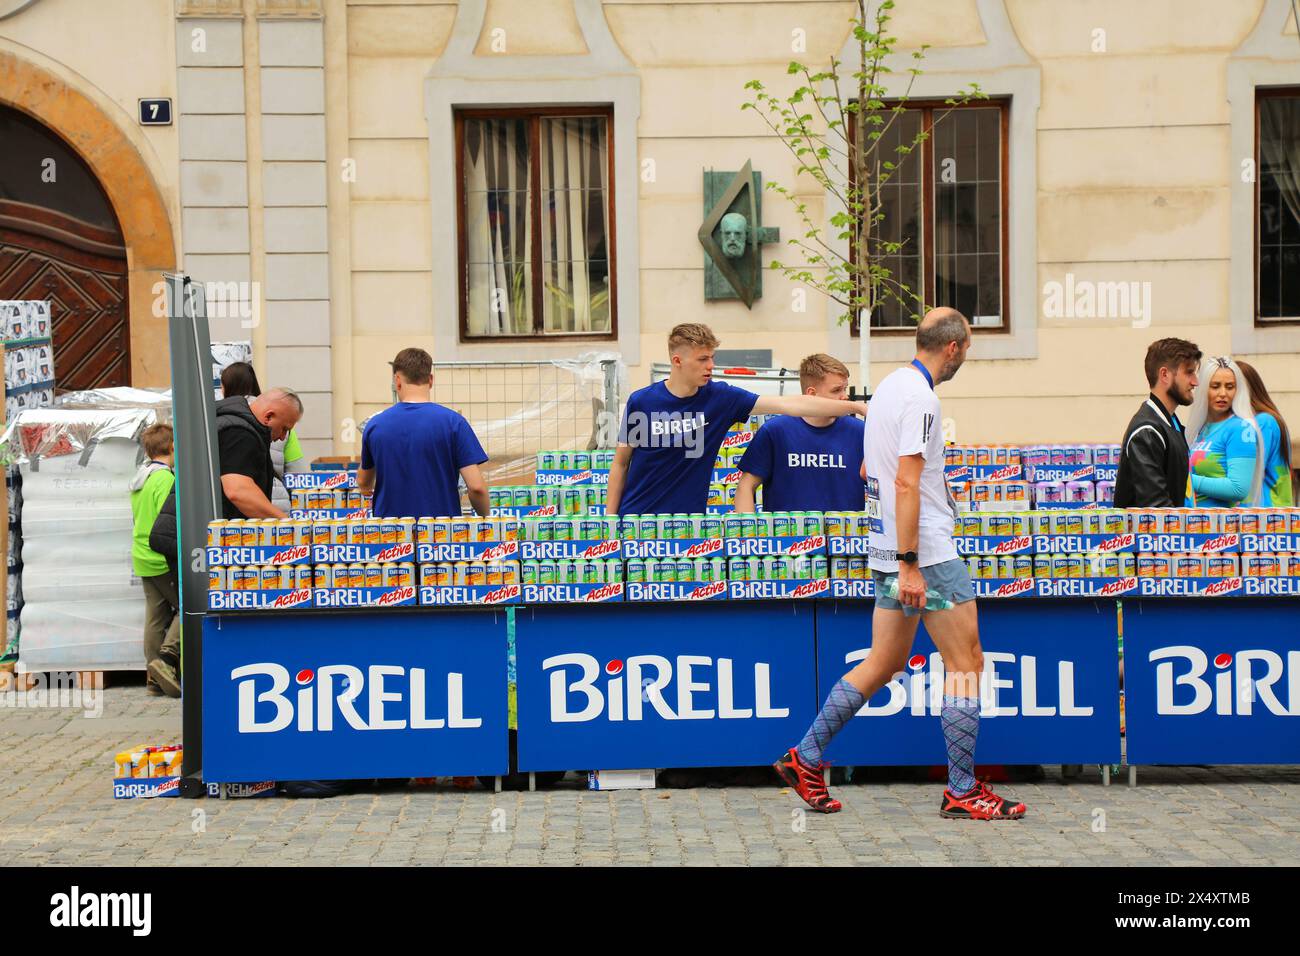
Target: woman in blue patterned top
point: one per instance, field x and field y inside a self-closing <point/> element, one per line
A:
<point x="1226" y="464"/>
<point x="1277" y="490"/>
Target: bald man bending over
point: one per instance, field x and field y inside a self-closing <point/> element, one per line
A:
<point x="917" y="573"/>
<point x="245" y="429"/>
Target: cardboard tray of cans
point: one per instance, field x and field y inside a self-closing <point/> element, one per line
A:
<point x="1270" y="543"/>
<point x="792" y="589"/>
<point x="966" y="473"/>
<point x="132" y="788"/>
<point x="674" y="548"/>
<point x="585" y="593"/>
<point x="1067" y="473"/>
<point x="225" y="557"/>
<point x="468" y="551"/>
<point x="469" y="594"/>
<point x="1200" y="543"/>
<point x="277" y="599"/>
<point x="585" y="476"/>
<point x="676" y="579"/>
<point x="591" y="549"/>
<point x="328" y="514"/>
<point x="396" y="596"/>
<point x="780" y="577"/>
<point x="677" y="590"/>
<point x="304" y="480"/>
<point x="785" y="544"/>
<point x="357" y="553"/>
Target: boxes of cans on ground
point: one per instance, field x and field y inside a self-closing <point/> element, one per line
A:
<point x="777" y="532"/>
<point x="259" y="587"/>
<point x="147" y="772"/>
<point x="467" y="539"/>
<point x="591" y="537"/>
<point x="259" y="541"/>
<point x="242" y="791"/>
<point x="676" y="578"/>
<point x="360" y="540"/>
<point x="575" y="467"/>
<point x="778" y="576"/>
<point x="364" y="584"/>
<point x="467" y="582"/>
<point x="580" y="581"/>
<point x="851" y="578"/>
<point x="846" y="532"/>
<point x="620" y="780"/>
<point x="672" y="536"/>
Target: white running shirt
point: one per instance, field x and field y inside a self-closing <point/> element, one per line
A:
<point x="904" y="420"/>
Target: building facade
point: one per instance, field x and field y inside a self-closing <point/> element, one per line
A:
<point x="497" y="180"/>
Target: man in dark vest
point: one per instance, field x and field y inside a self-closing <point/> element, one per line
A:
<point x="245" y="429"/>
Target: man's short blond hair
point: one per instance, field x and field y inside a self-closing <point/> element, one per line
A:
<point x="814" y="369"/>
<point x="691" y="334"/>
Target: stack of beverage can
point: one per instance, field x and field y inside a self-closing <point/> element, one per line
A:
<point x="575" y="460"/>
<point x="846" y="524"/>
<point x="778" y="568"/>
<point x="591" y="528"/>
<point x="773" y="524"/>
<point x="369" y="575"/>
<point x="327" y="499"/>
<point x="723" y="494"/>
<point x="578" y="571"/>
<point x="676" y="570"/>
<point x="956" y="456"/>
<point x="1179" y="565"/>
<point x="850" y="569"/>
<point x="385" y="531"/>
<point x="465" y="530"/>
<point x="566" y="499"/>
<point x="1216" y="520"/>
<point x="1000" y="495"/>
<point x="469" y="573"/>
<point x="269" y="577"/>
<point x="668" y="527"/>
<point x="259" y="532"/>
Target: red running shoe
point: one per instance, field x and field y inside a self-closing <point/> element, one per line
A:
<point x="980" y="804"/>
<point x="806" y="781"/>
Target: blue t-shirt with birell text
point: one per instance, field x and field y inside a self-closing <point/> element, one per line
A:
<point x="675" y="442"/>
<point x="417" y="450"/>
<point x="807" y="467"/>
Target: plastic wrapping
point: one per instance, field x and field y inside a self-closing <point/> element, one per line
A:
<point x="519" y="409"/>
<point x="159" y="400"/>
<point x="47" y="433"/>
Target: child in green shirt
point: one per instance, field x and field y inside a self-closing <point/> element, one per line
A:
<point x="149" y="489"/>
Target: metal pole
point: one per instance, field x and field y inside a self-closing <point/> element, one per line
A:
<point x="195" y="438"/>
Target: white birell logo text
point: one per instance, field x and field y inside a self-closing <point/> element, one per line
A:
<point x="651" y="679"/>
<point x="921" y="689"/>
<point x="394" y="699"/>
<point x="1184" y="686"/>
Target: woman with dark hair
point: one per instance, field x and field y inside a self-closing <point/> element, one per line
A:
<point x="238" y="378"/>
<point x="1276" y="490"/>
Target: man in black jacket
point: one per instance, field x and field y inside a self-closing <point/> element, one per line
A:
<point x="1153" y="460"/>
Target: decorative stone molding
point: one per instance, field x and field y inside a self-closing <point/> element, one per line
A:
<point x="209" y="8"/>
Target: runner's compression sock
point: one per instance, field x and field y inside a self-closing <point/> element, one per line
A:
<point x="840" y="706"/>
<point x="960" y="717"/>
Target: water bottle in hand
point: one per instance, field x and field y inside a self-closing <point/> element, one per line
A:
<point x="934" y="601"/>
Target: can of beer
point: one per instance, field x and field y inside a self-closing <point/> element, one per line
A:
<point x="475" y="573"/>
<point x="356" y="575"/>
<point x="986" y="567"/>
<point x="1073" y="522"/>
<point x="748" y="526"/>
<point x="1006" y="566"/>
<point x="493" y="576"/>
<point x="647" y="527"/>
<point x="1293" y="520"/>
<point x="582" y="461"/>
<point x="1189" y="565"/>
<point x="856" y="569"/>
<point x="1273" y="521"/>
<point x="1197" y="521"/>
<point x="661" y="570"/>
<point x="1127" y="563"/>
<point x="458" y="530"/>
<point x="528" y="572"/>
<point x="1291" y="565"/>
<point x="562" y="529"/>
<point x="999" y="525"/>
<point x="268" y="578"/>
<point x="711" y="526"/>
<point x="1041" y="565"/>
<point x="1248" y="521"/>
<point x="835" y="525"/>
<point x="546" y="573"/>
<point x="1171" y="521"/>
<point x="636" y="571"/>
<point x="820" y="566"/>
<point x="783" y="524"/>
<point x="1022" y="566"/>
<point x="839" y="569"/>
<point x="591" y="572"/>
<point x="590" y="529"/>
<point x="218" y="579"/>
<point x="388" y="575"/>
<point x="303" y="576"/>
<point x="571" y="501"/>
<point x="215" y="529"/>
<point x="1222" y="566"/>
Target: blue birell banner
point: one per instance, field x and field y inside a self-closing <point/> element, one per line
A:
<point x="339" y="696"/>
<point x="1049" y="692"/>
<point x="1212" y="683"/>
<point x="614" y="687"/>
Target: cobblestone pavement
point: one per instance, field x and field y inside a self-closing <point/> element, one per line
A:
<point x="56" y="807"/>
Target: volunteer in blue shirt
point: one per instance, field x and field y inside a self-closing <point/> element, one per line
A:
<point x="412" y="453"/>
<point x="807" y="464"/>
<point x="672" y="430"/>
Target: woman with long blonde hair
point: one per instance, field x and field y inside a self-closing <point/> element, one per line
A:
<point x="1277" y="490"/>
<point x="1227" y="460"/>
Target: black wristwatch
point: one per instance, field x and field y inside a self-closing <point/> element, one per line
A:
<point x="908" y="557"/>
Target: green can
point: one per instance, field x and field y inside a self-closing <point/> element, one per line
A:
<point x="635" y="571"/>
<point x="775" y="569"/>
<point x="611" y="525"/>
<point x="626" y="528"/>
<point x="546" y="461"/>
<point x="561" y="529"/>
<point x="648" y="527"/>
<point x="810" y="523"/>
<point x="783" y="524"/>
<point x="711" y="526"/>
<point x="820" y="566"/>
<point x="682" y="525"/>
<point x="547" y="573"/>
<point x="748" y="526"/>
<point x="591" y="572"/>
<point x="614" y="572"/>
<point x="543" y="529"/>
<point x="528" y="572"/>
<point x="570" y="572"/>
<point x="704" y="571"/>
<point x="756" y="570"/>
<point x="663" y="571"/>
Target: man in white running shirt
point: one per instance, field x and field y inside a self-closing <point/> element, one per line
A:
<point x="917" y="573"/>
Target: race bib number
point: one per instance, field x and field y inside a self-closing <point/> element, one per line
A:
<point x="874" y="514"/>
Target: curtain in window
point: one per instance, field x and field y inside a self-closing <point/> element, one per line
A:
<point x="575" y="230"/>
<point x="1279" y="146"/>
<point x="497" y="227"/>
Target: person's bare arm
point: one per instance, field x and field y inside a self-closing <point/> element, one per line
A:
<point x="745" y="493"/>
<point x="807" y="406"/>
<point x="617" y="478"/>
<point x="477" y="488"/>
<point x="248" y="498"/>
<point x="366" y="481"/>
<point x="907" y="521"/>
